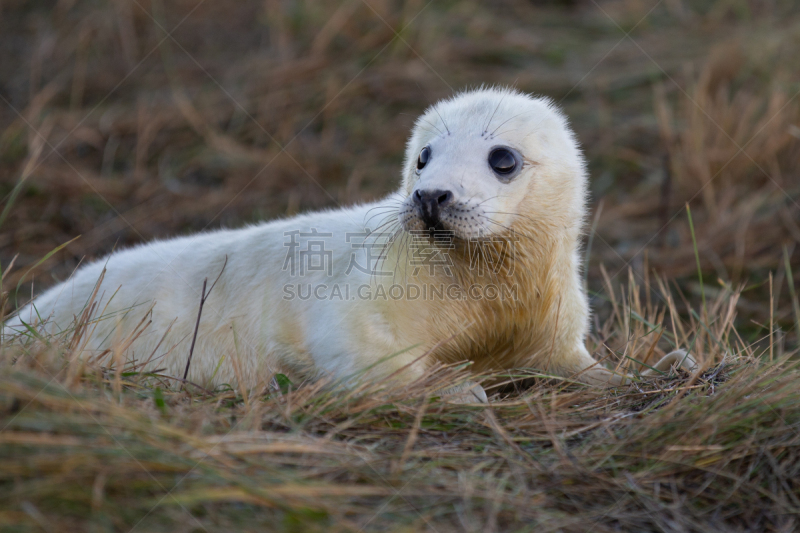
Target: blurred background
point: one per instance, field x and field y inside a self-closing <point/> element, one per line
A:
<point x="122" y="121"/>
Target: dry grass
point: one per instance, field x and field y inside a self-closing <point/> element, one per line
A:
<point x="260" y="109"/>
<point x="100" y="446"/>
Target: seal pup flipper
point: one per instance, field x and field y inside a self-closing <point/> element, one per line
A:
<point x="675" y="359"/>
<point x="599" y="376"/>
<point x="467" y="392"/>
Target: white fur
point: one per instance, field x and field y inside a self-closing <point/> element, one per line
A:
<point x="247" y="317"/>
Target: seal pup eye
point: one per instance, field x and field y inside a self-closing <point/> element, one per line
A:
<point x="502" y="161"/>
<point x="424" y="156"/>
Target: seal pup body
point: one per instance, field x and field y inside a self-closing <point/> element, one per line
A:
<point x="497" y="172"/>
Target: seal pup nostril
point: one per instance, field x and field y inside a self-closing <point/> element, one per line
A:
<point x="445" y="198"/>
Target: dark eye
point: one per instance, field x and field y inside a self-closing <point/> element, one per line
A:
<point x="502" y="161"/>
<point x="423" y="158"/>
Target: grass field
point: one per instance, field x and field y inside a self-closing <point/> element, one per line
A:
<point x="122" y="121"/>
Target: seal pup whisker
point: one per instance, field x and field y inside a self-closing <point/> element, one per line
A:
<point x="488" y="122"/>
<point x="521" y="215"/>
<point x="443" y="122"/>
<point x="393" y="211"/>
<point x="511" y="230"/>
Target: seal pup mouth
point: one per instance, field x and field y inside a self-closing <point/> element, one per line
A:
<point x="435" y="212"/>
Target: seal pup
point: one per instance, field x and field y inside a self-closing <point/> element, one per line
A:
<point x="475" y="257"/>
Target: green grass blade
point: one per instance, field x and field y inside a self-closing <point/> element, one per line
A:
<point x="697" y="258"/>
<point x="792" y="291"/>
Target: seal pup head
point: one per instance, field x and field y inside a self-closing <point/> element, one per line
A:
<point x="490" y="162"/>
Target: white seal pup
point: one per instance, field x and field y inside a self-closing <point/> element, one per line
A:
<point x="476" y="257"/>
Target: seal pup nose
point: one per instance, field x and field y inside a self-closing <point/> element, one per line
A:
<point x="430" y="203"/>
